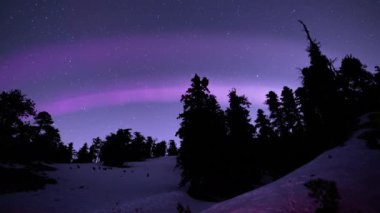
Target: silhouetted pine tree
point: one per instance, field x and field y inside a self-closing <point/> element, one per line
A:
<point x="61" y="155"/>
<point x="355" y="83"/>
<point x="240" y="130"/>
<point x="94" y="149"/>
<point x="114" y="150"/>
<point x="83" y="155"/>
<point x="292" y="154"/>
<point x="265" y="133"/>
<point x="47" y="139"/>
<point x="149" y="142"/>
<point x="15" y="131"/>
<point x="266" y="153"/>
<point x="275" y="151"/>
<point x="136" y="147"/>
<point x="159" y="149"/>
<point x="203" y="137"/>
<point x="302" y="107"/>
<point x="276" y="114"/>
<point x="69" y="153"/>
<point x="21" y="148"/>
<point x="241" y="162"/>
<point x="291" y="116"/>
<point x="321" y="96"/>
<point x="172" y="150"/>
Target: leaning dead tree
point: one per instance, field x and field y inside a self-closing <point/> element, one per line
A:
<point x="314" y="47"/>
<point x="307" y="32"/>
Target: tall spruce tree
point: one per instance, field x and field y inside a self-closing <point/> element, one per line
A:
<point x="62" y="154"/>
<point x="307" y="117"/>
<point x="114" y="150"/>
<point x="265" y="133"/>
<point x="149" y="143"/>
<point x="240" y="135"/>
<point x="159" y="149"/>
<point x="240" y="130"/>
<point x="276" y="114"/>
<point x="172" y="150"/>
<point x="136" y="147"/>
<point x="266" y="157"/>
<point x="290" y="112"/>
<point x="15" y="110"/>
<point x="83" y="155"/>
<point x="321" y="96"/>
<point x="203" y="136"/>
<point x="293" y="148"/>
<point x="94" y="149"/>
<point x="355" y="83"/>
<point x="47" y="139"/>
<point x="69" y="153"/>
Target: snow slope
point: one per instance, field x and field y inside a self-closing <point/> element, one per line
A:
<point x="149" y="186"/>
<point x="354" y="168"/>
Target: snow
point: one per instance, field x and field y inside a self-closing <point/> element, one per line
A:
<point x="354" y="168"/>
<point x="152" y="186"/>
<point x="149" y="186"/>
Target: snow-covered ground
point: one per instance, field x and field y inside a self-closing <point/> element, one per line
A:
<point x="354" y="167"/>
<point x="149" y="186"/>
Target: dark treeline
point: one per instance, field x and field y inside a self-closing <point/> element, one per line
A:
<point x="124" y="146"/>
<point x="27" y="136"/>
<point x="223" y="153"/>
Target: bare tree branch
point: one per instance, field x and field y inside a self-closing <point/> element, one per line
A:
<point x="307" y="32"/>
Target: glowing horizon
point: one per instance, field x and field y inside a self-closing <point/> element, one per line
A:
<point x="73" y="104"/>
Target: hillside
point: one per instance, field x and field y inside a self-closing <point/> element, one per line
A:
<point x="354" y="167"/>
<point x="151" y="186"/>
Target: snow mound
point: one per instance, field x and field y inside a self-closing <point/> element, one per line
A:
<point x="149" y="186"/>
<point x="354" y="167"/>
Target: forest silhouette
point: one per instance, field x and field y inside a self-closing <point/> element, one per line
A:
<point x="222" y="152"/>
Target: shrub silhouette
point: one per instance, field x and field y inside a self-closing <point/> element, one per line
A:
<point x="18" y="180"/>
<point x="325" y="194"/>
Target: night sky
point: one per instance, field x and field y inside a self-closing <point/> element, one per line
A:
<point x="100" y="65"/>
